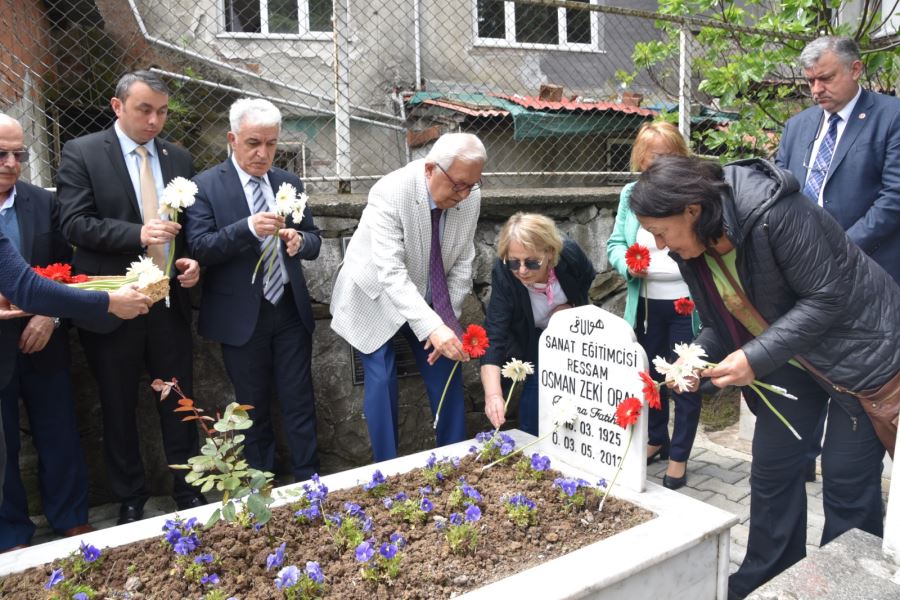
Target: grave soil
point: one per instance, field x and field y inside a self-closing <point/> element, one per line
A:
<point x="429" y="569"/>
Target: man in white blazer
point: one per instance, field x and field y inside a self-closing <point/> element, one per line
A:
<point x="396" y="277"/>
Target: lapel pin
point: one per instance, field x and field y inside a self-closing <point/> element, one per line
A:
<point x="166" y="152"/>
<point x="862" y="115"/>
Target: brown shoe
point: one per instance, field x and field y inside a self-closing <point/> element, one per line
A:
<point x="79" y="530"/>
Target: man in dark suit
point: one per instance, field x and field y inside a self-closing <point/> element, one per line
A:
<point x="846" y="150"/>
<point x="265" y="326"/>
<point x="34" y="366"/>
<point x="109" y="184"/>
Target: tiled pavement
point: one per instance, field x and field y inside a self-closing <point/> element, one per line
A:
<point x="718" y="473"/>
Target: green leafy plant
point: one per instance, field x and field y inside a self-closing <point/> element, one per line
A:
<point x="745" y="56"/>
<point x="247" y="492"/>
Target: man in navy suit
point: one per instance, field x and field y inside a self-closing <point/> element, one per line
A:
<point x="109" y="184"/>
<point x="860" y="184"/>
<point x="265" y="325"/>
<point x="35" y="366"/>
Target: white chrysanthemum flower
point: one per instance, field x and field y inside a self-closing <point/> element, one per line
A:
<point x="145" y="272"/>
<point x="299" y="207"/>
<point x="178" y="195"/>
<point x="662" y="365"/>
<point x="564" y="411"/>
<point x="692" y="355"/>
<point x="285" y="199"/>
<point x="517" y="370"/>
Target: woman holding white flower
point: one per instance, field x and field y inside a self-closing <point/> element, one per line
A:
<point x="778" y="283"/>
<point x="536" y="274"/>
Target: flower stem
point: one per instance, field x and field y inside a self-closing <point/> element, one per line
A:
<point x="781" y="418"/>
<point x="171" y="254"/>
<point x="437" y="414"/>
<point x="259" y="262"/>
<point x="522" y="449"/>
<point x="618" y="470"/>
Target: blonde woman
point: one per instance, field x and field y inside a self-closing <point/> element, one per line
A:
<point x="536" y="274"/>
<point x="650" y="307"/>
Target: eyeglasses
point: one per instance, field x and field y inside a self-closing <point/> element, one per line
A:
<point x="20" y="155"/>
<point x="532" y="264"/>
<point x="459" y="187"/>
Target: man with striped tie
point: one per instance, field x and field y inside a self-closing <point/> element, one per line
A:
<point x="263" y="319"/>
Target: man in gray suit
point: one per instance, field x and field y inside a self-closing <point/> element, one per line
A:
<point x="407" y="269"/>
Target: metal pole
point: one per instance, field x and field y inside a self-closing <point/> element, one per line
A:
<point x="684" y="84"/>
<point x="342" y="96"/>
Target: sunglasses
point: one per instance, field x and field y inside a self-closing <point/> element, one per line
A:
<point x="19" y="155"/>
<point x="459" y="187"/>
<point x="532" y="264"/>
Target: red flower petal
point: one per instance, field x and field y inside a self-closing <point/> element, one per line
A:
<point x="684" y="306"/>
<point x="637" y="258"/>
<point x="475" y="341"/>
<point x="651" y="391"/>
<point x="628" y="412"/>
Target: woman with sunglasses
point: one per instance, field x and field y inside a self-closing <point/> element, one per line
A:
<point x="537" y="273"/>
<point x="650" y="307"/>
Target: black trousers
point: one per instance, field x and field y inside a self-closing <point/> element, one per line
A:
<point x="851" y="477"/>
<point x="665" y="328"/>
<point x="279" y="352"/>
<point x="160" y="344"/>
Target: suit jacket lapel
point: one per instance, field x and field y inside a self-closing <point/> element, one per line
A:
<point x="25" y="217"/>
<point x="422" y="218"/>
<point x="165" y="163"/>
<point x="851" y="130"/>
<point x="114" y="153"/>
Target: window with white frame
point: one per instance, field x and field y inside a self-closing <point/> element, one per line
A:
<point x="278" y="17"/>
<point x="502" y="23"/>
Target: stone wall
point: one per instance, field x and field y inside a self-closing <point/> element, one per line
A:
<point x="586" y="215"/>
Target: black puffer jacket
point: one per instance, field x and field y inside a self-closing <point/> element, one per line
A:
<point x="825" y="299"/>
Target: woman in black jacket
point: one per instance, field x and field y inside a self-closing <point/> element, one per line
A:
<point x="746" y="230"/>
<point x="536" y="274"/>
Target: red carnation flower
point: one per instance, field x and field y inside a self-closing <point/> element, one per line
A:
<point x="651" y="391"/>
<point x="475" y="341"/>
<point x="637" y="258"/>
<point x="59" y="272"/>
<point x="684" y="306"/>
<point x="628" y="411"/>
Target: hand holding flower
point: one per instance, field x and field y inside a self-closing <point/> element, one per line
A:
<point x="444" y="342"/>
<point x="734" y="369"/>
<point x="495" y="409"/>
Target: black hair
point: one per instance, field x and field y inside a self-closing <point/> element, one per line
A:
<point x="152" y="80"/>
<point x="672" y="183"/>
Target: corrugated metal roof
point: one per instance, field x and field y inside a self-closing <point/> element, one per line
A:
<point x="538" y="104"/>
<point x="474" y="111"/>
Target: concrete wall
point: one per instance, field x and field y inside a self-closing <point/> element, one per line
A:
<point x="586" y="215"/>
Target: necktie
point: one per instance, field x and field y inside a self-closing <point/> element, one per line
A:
<point x="440" y="295"/>
<point x="816" y="177"/>
<point x="150" y="204"/>
<point x="273" y="284"/>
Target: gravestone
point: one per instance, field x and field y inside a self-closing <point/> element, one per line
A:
<point x="591" y="357"/>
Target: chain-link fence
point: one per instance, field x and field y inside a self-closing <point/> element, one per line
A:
<point x="364" y="85"/>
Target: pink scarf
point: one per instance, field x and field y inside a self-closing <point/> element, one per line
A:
<point x="547" y="290"/>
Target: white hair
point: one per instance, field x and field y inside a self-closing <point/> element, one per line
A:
<point x="253" y="111"/>
<point x="456" y="146"/>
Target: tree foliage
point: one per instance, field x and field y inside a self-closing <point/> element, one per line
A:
<point x="744" y="60"/>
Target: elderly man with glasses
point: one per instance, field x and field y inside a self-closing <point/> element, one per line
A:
<point x="407" y="270"/>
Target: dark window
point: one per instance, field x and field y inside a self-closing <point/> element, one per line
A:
<point x="537" y="24"/>
<point x="491" y="19"/>
<point x="578" y="25"/>
<point x="243" y="16"/>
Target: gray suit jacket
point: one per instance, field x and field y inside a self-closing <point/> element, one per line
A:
<point x="384" y="276"/>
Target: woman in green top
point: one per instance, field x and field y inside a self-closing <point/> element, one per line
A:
<point x="650" y="307"/>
